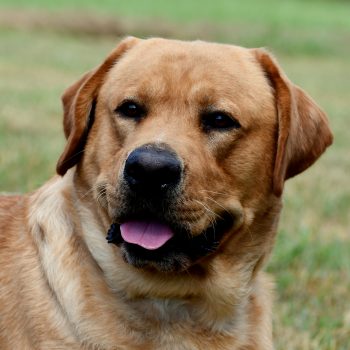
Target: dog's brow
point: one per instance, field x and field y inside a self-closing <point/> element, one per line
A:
<point x="223" y="105"/>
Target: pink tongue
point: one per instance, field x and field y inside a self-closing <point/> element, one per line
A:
<point x="147" y="234"/>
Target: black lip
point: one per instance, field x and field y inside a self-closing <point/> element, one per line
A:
<point x="179" y="253"/>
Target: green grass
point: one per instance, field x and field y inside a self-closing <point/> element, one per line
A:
<point x="34" y="72"/>
<point x="311" y="260"/>
<point x="295" y="26"/>
<point x="309" y="14"/>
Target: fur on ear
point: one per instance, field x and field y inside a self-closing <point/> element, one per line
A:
<point x="303" y="129"/>
<point x="79" y="102"/>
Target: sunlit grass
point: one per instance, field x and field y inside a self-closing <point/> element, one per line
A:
<point x="316" y="27"/>
<point x="308" y="14"/>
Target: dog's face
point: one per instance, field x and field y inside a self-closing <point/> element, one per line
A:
<point x="186" y="147"/>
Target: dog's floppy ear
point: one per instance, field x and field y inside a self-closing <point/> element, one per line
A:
<point x="79" y="102"/>
<point x="303" y="130"/>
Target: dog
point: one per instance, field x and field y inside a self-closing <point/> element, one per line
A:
<point x="178" y="152"/>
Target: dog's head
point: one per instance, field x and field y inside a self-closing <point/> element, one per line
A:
<point x="187" y="145"/>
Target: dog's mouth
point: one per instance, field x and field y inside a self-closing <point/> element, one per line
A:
<point x="153" y="244"/>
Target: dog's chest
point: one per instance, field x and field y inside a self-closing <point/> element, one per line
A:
<point x="168" y="312"/>
<point x="181" y="325"/>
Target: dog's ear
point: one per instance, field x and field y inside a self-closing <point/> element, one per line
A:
<point x="79" y="102"/>
<point x="303" y="130"/>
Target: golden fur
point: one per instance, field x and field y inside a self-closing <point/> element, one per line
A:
<point x="63" y="287"/>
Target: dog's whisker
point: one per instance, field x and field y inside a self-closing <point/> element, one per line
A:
<point x="220" y="205"/>
<point x="250" y="235"/>
<point x="216" y="192"/>
<point x="214" y="215"/>
<point x="100" y="196"/>
<point x="87" y="193"/>
<point x="212" y="218"/>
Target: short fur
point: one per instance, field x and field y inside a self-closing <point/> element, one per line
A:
<point x="62" y="286"/>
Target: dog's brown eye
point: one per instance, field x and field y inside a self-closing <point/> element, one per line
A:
<point x="130" y="109"/>
<point x="219" y="121"/>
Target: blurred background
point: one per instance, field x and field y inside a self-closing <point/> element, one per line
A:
<point x="46" y="45"/>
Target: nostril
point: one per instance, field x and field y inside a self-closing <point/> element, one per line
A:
<point x="165" y="174"/>
<point x="152" y="168"/>
<point x="134" y="168"/>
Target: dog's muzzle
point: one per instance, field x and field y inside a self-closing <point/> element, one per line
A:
<point x="147" y="229"/>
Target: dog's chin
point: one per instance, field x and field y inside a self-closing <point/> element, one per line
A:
<point x="181" y="252"/>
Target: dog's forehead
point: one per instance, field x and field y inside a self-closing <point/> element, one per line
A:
<point x="159" y="68"/>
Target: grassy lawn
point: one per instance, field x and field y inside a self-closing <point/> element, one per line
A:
<point x="311" y="260"/>
<point x="306" y="13"/>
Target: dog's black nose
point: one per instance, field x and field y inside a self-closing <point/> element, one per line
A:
<point x="151" y="168"/>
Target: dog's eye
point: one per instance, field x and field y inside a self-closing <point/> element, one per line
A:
<point x="130" y="109"/>
<point x="219" y="121"/>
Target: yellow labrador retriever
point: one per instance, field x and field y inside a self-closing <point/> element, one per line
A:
<point x="178" y="152"/>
